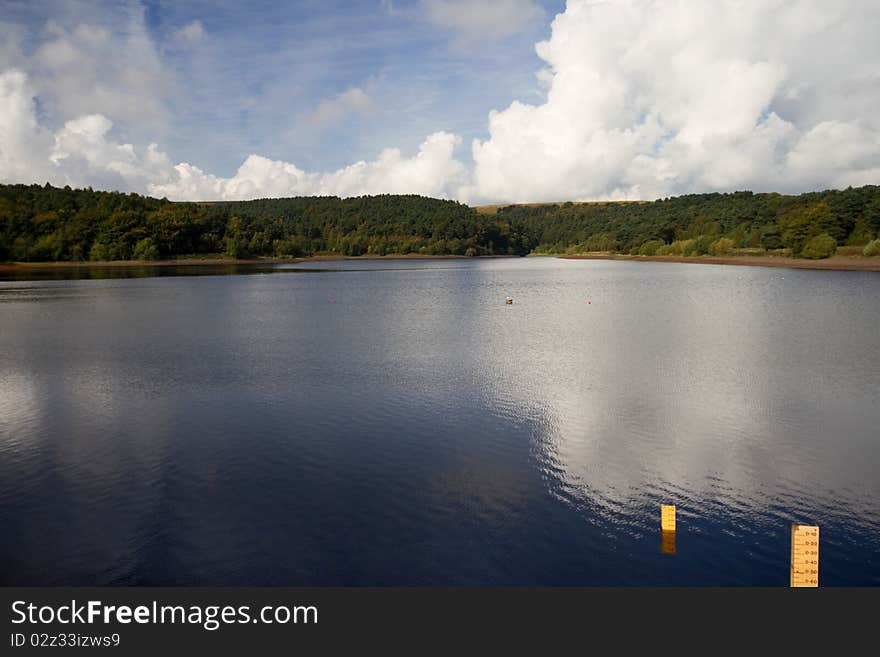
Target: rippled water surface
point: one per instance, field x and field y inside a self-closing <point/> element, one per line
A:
<point x="394" y="422"/>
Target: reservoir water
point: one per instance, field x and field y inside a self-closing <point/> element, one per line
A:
<point x="395" y="422"/>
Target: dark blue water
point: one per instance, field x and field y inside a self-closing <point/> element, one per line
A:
<point x="394" y="422"/>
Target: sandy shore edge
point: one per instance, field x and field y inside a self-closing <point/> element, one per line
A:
<point x="843" y="263"/>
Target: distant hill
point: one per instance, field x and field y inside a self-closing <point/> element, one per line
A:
<point x="45" y="223"/>
<point x="700" y="224"/>
<point x="493" y="209"/>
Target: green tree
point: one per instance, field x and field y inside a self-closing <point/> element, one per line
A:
<point x="860" y="235"/>
<point x="821" y="246"/>
<point x="798" y="229"/>
<point x="722" y="247"/>
<point x="702" y="244"/>
<point x="872" y="213"/>
<point x="47" y="248"/>
<point x="651" y="247"/>
<point x="146" y="249"/>
<point x="236" y="248"/>
<point x="99" y="252"/>
<point x="44" y="222"/>
<point x="680" y="247"/>
<point x="771" y="238"/>
<point x="21" y="248"/>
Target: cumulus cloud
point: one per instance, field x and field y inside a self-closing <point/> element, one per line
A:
<point x="433" y="171"/>
<point x="644" y="99"/>
<point x="83" y="152"/>
<point x="24" y="145"/>
<point x="352" y="101"/>
<point x="89" y="68"/>
<point x="647" y="99"/>
<point x="481" y="19"/>
<point x="80" y="153"/>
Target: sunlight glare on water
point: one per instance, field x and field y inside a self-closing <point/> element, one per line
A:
<point x="395" y="422"/>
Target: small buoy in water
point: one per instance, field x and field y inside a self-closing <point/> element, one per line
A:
<point x="508" y="300"/>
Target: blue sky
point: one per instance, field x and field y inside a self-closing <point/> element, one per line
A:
<point x="264" y="68"/>
<point x="479" y="100"/>
<point x="251" y="80"/>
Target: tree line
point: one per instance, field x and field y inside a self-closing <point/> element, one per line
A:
<point x="45" y="223"/>
<point x="810" y="225"/>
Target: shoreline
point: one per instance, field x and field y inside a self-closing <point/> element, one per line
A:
<point x="837" y="263"/>
<point x="225" y="262"/>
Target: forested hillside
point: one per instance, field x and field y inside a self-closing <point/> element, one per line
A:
<point x="47" y="223"/>
<point x="700" y="224"/>
<point x="44" y="223"/>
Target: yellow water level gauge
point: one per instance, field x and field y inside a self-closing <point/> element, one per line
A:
<point x="804" y="555"/>
<point x="667" y="517"/>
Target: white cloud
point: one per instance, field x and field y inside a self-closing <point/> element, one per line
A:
<point x="481" y="19"/>
<point x="189" y="35"/>
<point x="80" y="153"/>
<point x="433" y="171"/>
<point x="352" y="101"/>
<point x="83" y="153"/>
<point x="24" y="145"/>
<point x="644" y="99"/>
<point x="83" y="146"/>
<point x="648" y="99"/>
<point x="92" y="69"/>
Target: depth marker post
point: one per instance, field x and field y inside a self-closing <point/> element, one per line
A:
<point x="667" y="528"/>
<point x="667" y="517"/>
<point x="804" y="556"/>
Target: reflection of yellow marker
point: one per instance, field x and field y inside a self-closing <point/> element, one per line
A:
<point x="667" y="542"/>
<point x="667" y="517"/>
<point x="804" y="556"/>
